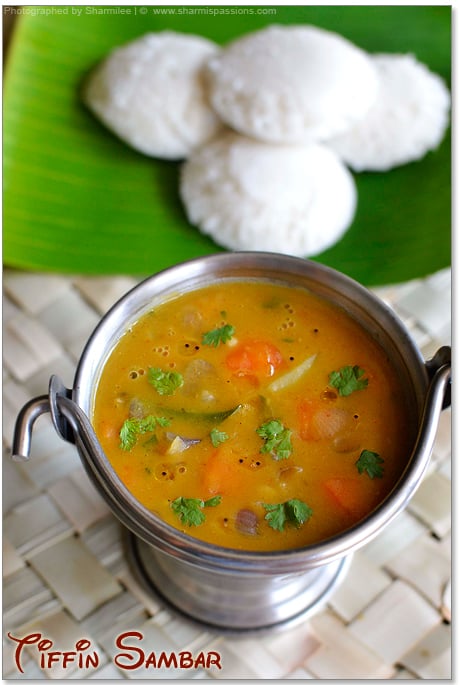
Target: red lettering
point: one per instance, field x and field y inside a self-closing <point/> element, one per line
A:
<point x="52" y="657"/>
<point x="27" y="640"/>
<point x="186" y="659"/>
<point x="68" y="657"/>
<point x="167" y="662"/>
<point x="213" y="660"/>
<point x="151" y="661"/>
<point x="92" y="660"/>
<point x="200" y="660"/>
<point x="47" y="658"/>
<point x="129" y="655"/>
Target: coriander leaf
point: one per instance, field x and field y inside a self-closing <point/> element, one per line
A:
<point x="277" y="439"/>
<point x="217" y="437"/>
<point x="370" y="462"/>
<point x="189" y="509"/>
<point x="348" y="379"/>
<point x="276" y="516"/>
<point x="297" y="511"/>
<point x="128" y="434"/>
<point x="293" y="511"/>
<point x="164" y="382"/>
<point x="284" y="447"/>
<point x="270" y="429"/>
<point x="218" y="335"/>
<point x="133" y="427"/>
<point x="213" y="501"/>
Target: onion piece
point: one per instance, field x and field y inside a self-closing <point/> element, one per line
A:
<point x="179" y="443"/>
<point x="246" y="522"/>
<point x="136" y="408"/>
<point x="292" y="376"/>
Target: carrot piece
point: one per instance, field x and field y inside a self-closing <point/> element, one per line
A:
<point x="254" y="357"/>
<point x="108" y="430"/>
<point x="128" y="475"/>
<point x="221" y="473"/>
<point x="305" y="411"/>
<point x="347" y="493"/>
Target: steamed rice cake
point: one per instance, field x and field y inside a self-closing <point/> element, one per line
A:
<point x="151" y="94"/>
<point x="408" y="119"/>
<point x="291" y="84"/>
<point x="250" y="195"/>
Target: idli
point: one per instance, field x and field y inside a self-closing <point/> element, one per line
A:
<point x="151" y="94"/>
<point x="290" y="84"/>
<point x="408" y="118"/>
<point x="251" y="195"/>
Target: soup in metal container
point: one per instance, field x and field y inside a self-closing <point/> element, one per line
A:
<point x="253" y="415"/>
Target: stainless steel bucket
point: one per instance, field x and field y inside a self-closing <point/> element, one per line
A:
<point x="232" y="590"/>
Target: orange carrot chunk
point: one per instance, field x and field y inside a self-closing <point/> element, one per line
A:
<point x="221" y="473"/>
<point x="348" y="493"/>
<point x="254" y="357"/>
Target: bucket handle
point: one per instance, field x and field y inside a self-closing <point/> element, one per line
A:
<point x="68" y="418"/>
<point x="440" y="359"/>
<point x="71" y="422"/>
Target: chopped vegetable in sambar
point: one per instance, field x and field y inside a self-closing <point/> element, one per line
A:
<point x="253" y="415"/>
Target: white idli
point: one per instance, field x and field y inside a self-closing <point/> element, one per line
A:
<point x="290" y="84"/>
<point x="409" y="117"/>
<point x="151" y="93"/>
<point x="250" y="195"/>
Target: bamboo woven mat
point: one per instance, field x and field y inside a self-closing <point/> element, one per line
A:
<point x="66" y="575"/>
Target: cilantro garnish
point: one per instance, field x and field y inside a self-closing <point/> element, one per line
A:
<point x="164" y="382"/>
<point x="134" y="427"/>
<point x="348" y="379"/>
<point x="217" y="437"/>
<point x="218" y="335"/>
<point x="189" y="509"/>
<point x="277" y="439"/>
<point x="293" y="511"/>
<point x="370" y="462"/>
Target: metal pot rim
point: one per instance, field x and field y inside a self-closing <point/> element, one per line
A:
<point x="197" y="273"/>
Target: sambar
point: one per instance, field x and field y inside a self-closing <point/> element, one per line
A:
<point x="253" y="415"/>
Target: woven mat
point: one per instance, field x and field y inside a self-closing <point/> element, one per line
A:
<point x="66" y="576"/>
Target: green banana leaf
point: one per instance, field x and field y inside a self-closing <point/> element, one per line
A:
<point x="77" y="200"/>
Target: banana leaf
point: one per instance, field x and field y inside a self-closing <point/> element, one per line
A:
<point x="78" y="200"/>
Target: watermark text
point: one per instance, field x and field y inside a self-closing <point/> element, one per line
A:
<point x="131" y="654"/>
<point x="78" y="11"/>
